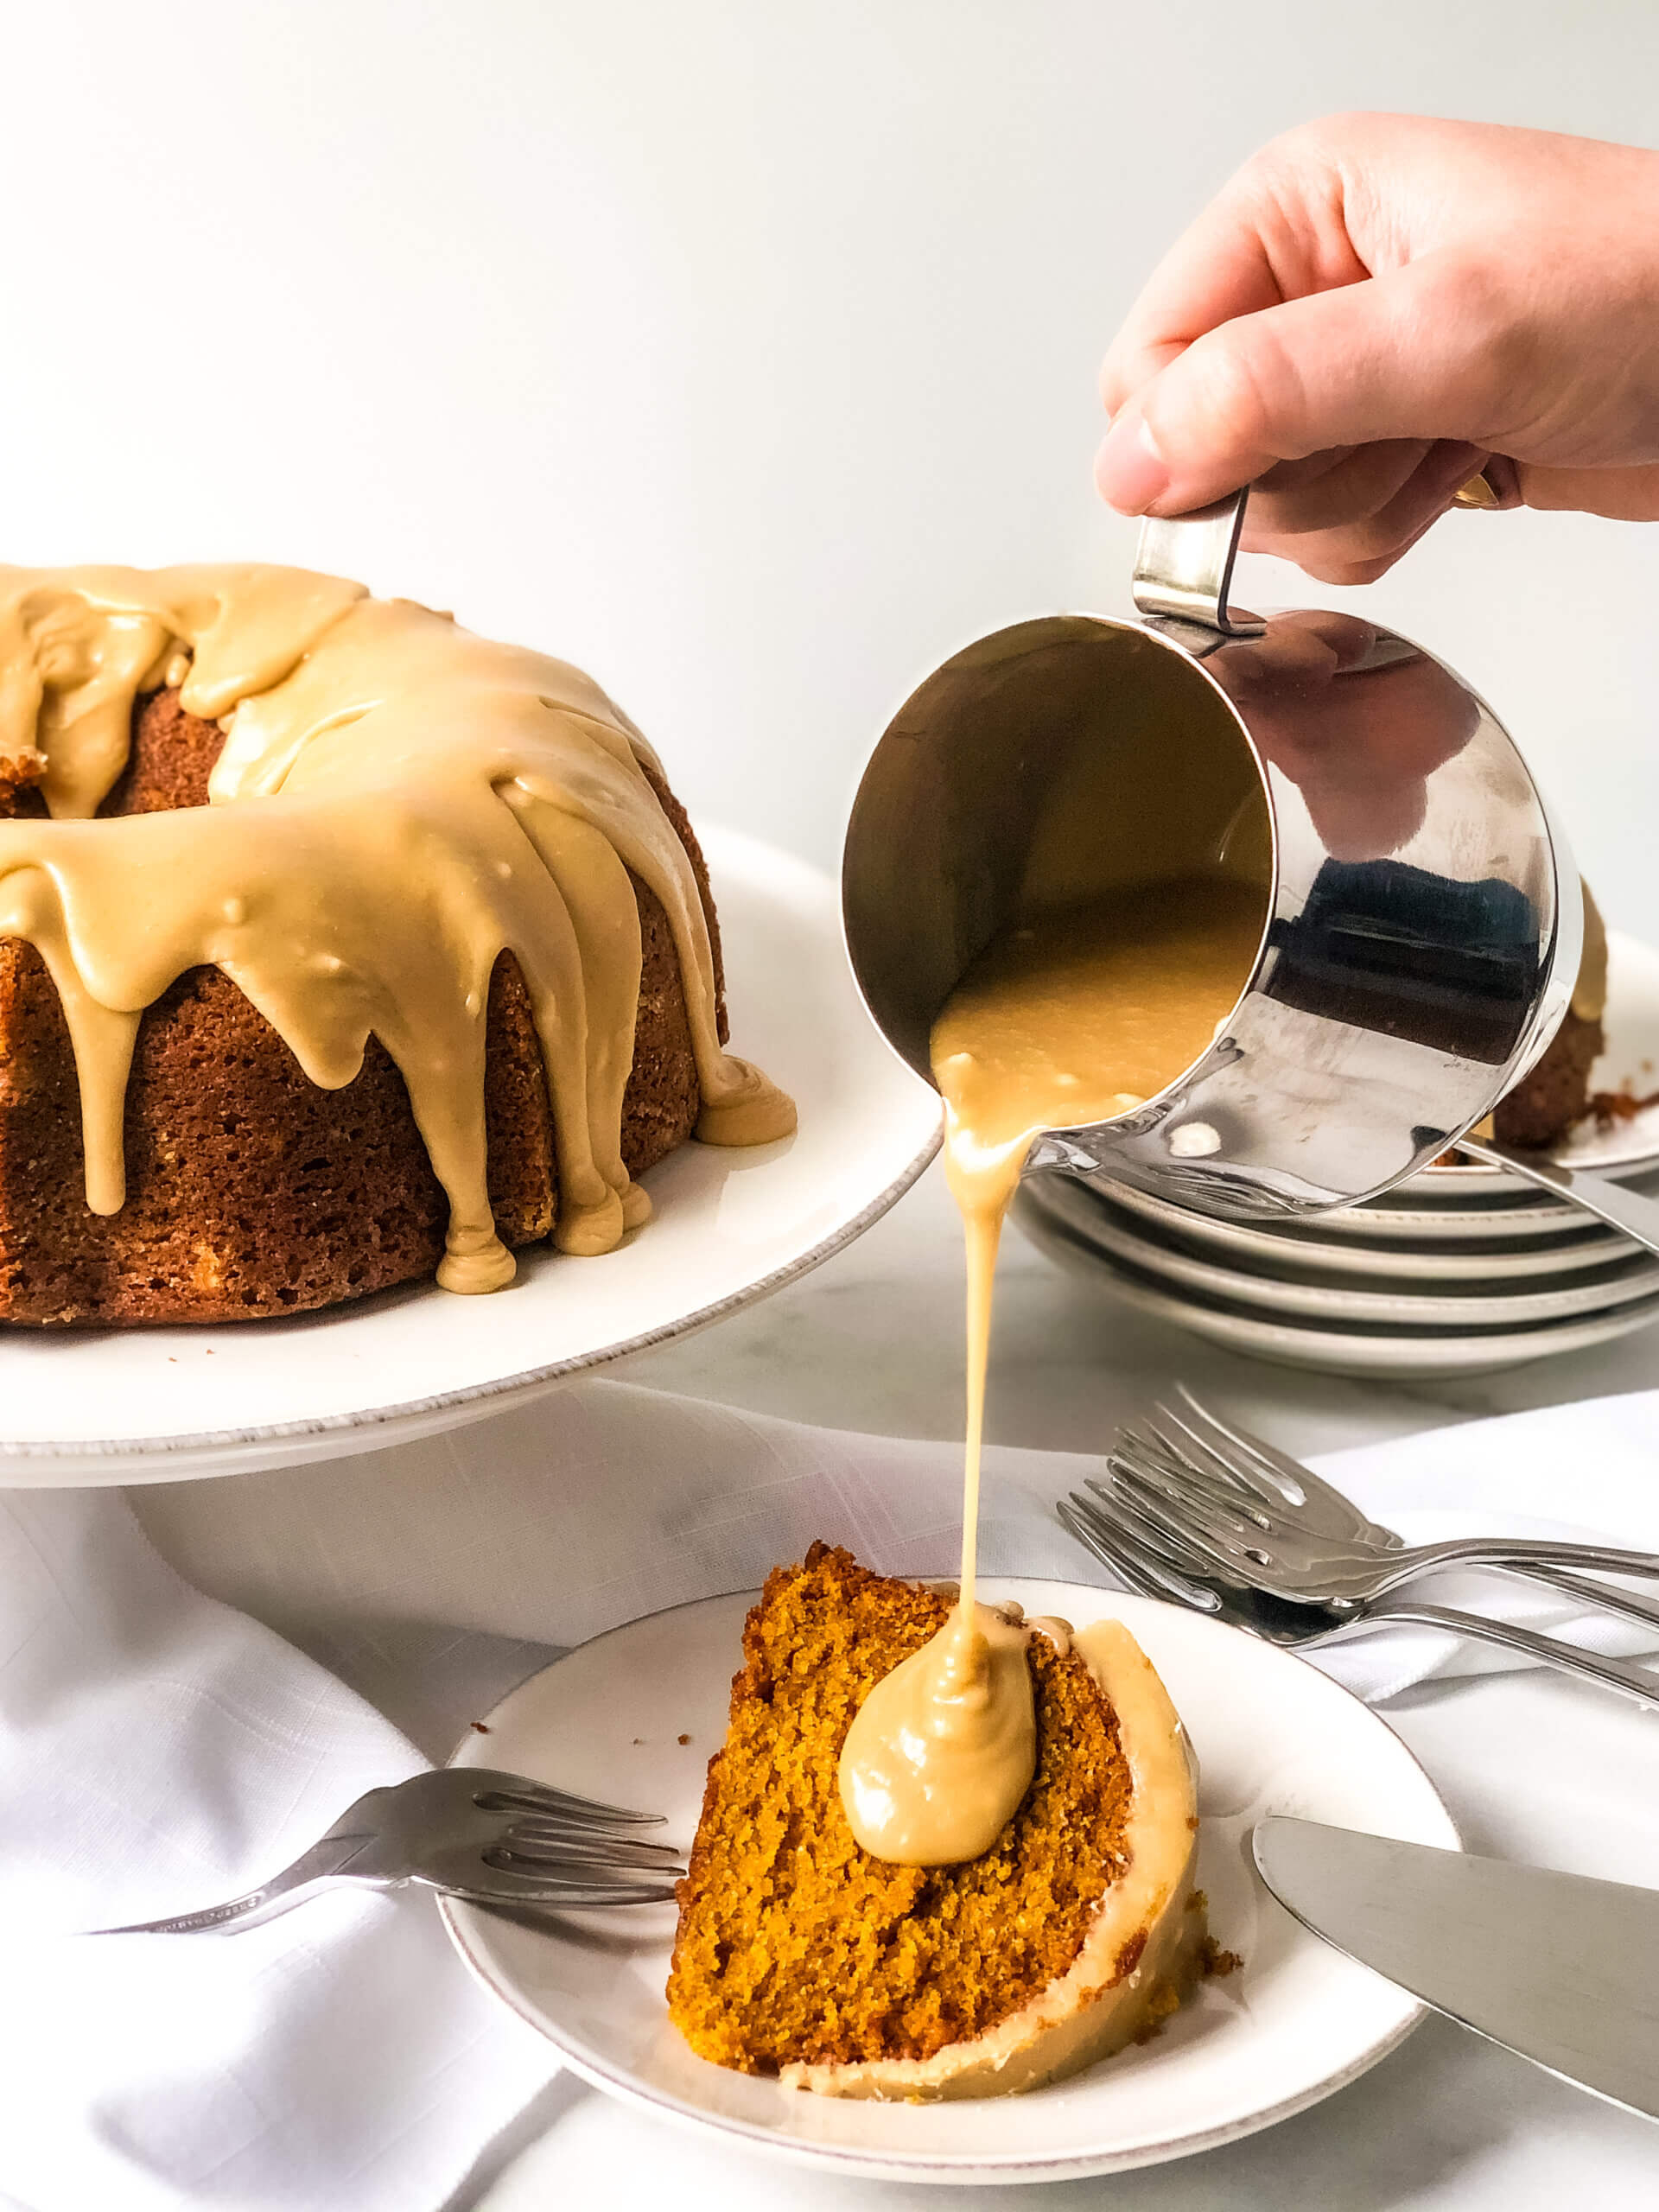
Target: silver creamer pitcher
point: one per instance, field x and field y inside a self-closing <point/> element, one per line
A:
<point x="1423" y="914"/>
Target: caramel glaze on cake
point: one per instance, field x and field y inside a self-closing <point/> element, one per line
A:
<point x="411" y="960"/>
<point x="251" y="1192"/>
<point x="800" y="1953"/>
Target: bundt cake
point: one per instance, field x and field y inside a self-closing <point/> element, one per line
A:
<point x="801" y="1954"/>
<point x="337" y="946"/>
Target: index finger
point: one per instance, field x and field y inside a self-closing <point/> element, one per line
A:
<point x="1270" y="235"/>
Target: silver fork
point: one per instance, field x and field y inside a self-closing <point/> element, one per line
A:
<point x="1145" y="1558"/>
<point x="1322" y="1509"/>
<point x="466" y="1831"/>
<point x="1255" y="1513"/>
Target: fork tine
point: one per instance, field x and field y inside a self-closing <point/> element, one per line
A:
<point x="556" y="1873"/>
<point x="510" y="1890"/>
<point x="559" y="1829"/>
<point x="1203" y="1513"/>
<point x="611" y="1852"/>
<point x="1199" y="1454"/>
<point x="1179" y="1521"/>
<point x="1147" y="1566"/>
<point x="1176" y="1476"/>
<point x="501" y="1875"/>
<point x="1302" y="1495"/>
<point x="1150" y="1519"/>
<point x="1280" y="1466"/>
<point x="1144" y="1569"/>
<point x="1075" y="1515"/>
<point x="538" y="1797"/>
<point x="1128" y="1517"/>
<point x="1082" y="1521"/>
<point x="1209" y="1477"/>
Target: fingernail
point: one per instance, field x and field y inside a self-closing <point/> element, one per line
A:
<point x="1129" y="470"/>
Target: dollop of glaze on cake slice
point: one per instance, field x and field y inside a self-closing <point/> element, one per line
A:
<point x="397" y="803"/>
<point x="801" y="1954"/>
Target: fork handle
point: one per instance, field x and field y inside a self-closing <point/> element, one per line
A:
<point x="314" y="1869"/>
<point x="1623" y="1605"/>
<point x="1513" y="1552"/>
<point x="1622" y="1675"/>
<point x="1631" y="1211"/>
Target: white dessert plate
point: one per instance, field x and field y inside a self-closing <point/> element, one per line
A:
<point x="85" y="1406"/>
<point x="1390" y="1220"/>
<point x="1403" y="1355"/>
<point x="1258" y="1250"/>
<point x="1294" y="2024"/>
<point x="1392" y="1301"/>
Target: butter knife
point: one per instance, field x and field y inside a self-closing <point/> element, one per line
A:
<point x="1557" y="1967"/>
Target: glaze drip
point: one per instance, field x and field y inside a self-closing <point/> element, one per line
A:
<point x="1072" y="1016"/>
<point x="397" y="803"/>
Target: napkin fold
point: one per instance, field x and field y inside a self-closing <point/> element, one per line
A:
<point x="188" y="1683"/>
<point x="601" y="1502"/>
<point x="159" y="1751"/>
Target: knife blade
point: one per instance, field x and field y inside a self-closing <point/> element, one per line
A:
<point x="1559" y="1968"/>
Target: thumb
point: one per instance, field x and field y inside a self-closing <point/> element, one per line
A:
<point x="1404" y="355"/>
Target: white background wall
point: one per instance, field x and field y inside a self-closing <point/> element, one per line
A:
<point x="743" y="350"/>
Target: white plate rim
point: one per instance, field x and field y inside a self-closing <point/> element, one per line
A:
<point x="159" y="1458"/>
<point x="942" y="2168"/>
<point x="1418" y="1259"/>
<point x="1380" y="1221"/>
<point x="1456" y="1305"/>
<point x="1403" y="1355"/>
<point x="481" y="1396"/>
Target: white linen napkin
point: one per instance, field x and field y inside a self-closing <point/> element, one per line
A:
<point x="601" y="1502"/>
<point x="160" y="1749"/>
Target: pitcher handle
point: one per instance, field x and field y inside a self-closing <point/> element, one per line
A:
<point x="1184" y="568"/>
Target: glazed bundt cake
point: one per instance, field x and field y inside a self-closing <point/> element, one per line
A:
<point x="338" y="947"/>
<point x="801" y="1954"/>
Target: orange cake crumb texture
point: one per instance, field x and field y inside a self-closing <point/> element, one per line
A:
<point x="796" y="1944"/>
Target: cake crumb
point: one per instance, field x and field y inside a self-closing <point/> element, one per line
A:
<point x="20" y="771"/>
<point x="1214" y="1962"/>
<point x="1611" y="1107"/>
<point x="482" y="1726"/>
<point x="681" y="1739"/>
<point x="1164" y="2002"/>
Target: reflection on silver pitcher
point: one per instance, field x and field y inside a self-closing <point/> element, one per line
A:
<point x="1423" y="913"/>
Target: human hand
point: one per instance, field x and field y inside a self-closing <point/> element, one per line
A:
<point x="1371" y="309"/>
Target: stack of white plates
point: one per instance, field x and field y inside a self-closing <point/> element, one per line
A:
<point x="1459" y="1271"/>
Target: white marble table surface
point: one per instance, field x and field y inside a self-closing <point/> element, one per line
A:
<point x="873" y="1341"/>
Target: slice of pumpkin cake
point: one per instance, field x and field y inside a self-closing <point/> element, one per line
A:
<point x="801" y="1954"/>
